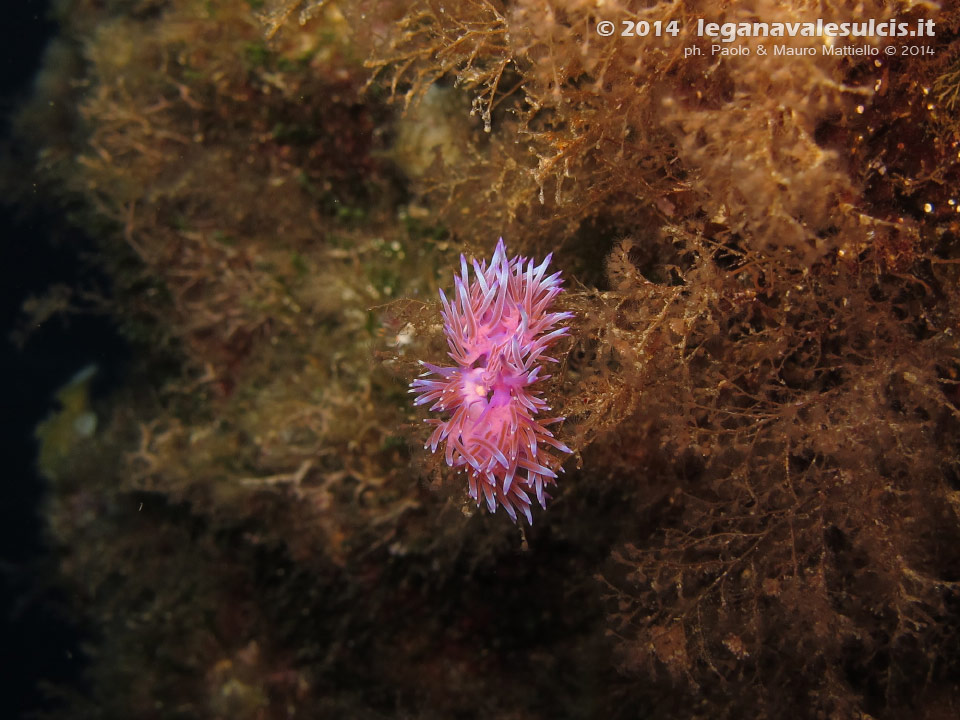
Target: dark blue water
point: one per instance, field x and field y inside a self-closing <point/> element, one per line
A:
<point x="38" y="642"/>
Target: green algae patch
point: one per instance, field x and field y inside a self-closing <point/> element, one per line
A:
<point x="73" y="423"/>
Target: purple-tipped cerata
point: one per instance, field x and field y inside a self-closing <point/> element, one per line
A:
<point x="499" y="327"/>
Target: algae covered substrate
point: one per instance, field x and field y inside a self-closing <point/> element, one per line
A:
<point x="751" y="508"/>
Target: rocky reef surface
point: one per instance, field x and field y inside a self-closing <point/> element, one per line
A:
<point x="760" y="517"/>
